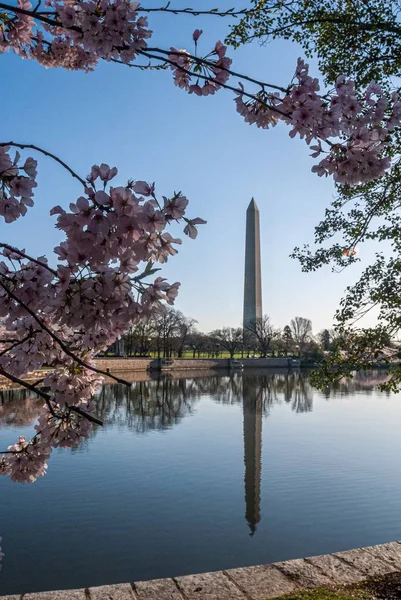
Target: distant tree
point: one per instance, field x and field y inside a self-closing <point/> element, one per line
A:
<point x="325" y="340"/>
<point x="197" y="342"/>
<point x="138" y="339"/>
<point x="185" y="327"/>
<point x="166" y="328"/>
<point x="313" y="351"/>
<point x="229" y="339"/>
<point x="212" y="345"/>
<point x="249" y="344"/>
<point x="264" y="332"/>
<point x="288" y="340"/>
<point x="301" y="330"/>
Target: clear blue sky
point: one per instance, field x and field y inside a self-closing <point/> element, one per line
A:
<point x="148" y="128"/>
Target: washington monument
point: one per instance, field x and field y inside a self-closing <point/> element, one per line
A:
<point x="252" y="280"/>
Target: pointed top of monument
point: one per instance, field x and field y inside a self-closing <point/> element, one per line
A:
<point x="253" y="205"/>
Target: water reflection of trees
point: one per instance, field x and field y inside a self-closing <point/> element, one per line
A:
<point x="148" y="405"/>
<point x="292" y="388"/>
<point x="18" y="408"/>
<point x="363" y="382"/>
<point x="164" y="402"/>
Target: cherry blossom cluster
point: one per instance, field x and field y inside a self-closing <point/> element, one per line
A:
<point x="27" y="460"/>
<point x="104" y="29"/>
<point x="17" y="181"/>
<point x="360" y="127"/>
<point x="60" y="317"/>
<point x="77" y="34"/>
<point x="16" y="32"/>
<point x="201" y="77"/>
<point x="62" y="423"/>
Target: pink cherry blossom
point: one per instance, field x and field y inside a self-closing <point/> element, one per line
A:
<point x="190" y="229"/>
<point x="143" y="188"/>
<point x="175" y="208"/>
<point x="185" y="70"/>
<point x="196" y="34"/>
<point x="30" y="167"/>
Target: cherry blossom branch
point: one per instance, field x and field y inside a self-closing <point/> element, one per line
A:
<point x="17" y="343"/>
<point x="35" y="15"/>
<point x="46" y="153"/>
<point x="47" y="397"/>
<point x="223" y="85"/>
<point x="204" y="61"/>
<point x="83" y="413"/>
<point x="24" y="255"/>
<point x="198" y="60"/>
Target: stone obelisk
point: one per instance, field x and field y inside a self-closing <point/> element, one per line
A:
<point x="252" y="281"/>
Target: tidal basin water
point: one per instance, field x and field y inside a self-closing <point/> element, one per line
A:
<point x="202" y="472"/>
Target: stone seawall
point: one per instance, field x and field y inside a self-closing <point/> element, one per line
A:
<point x="250" y="583"/>
<point x="149" y="364"/>
<point x="145" y="369"/>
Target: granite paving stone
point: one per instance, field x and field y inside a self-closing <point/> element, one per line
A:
<point x="262" y="582"/>
<point x="209" y="586"/>
<point x="58" y="595"/>
<point x="366" y="562"/>
<point x="389" y="552"/>
<point x="338" y="571"/>
<point x="158" y="589"/>
<point x="307" y="575"/>
<point x="112" y="592"/>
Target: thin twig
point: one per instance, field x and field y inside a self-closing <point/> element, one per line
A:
<point x="88" y="416"/>
<point x="24" y="384"/>
<point x="148" y="67"/>
<point x="17" y="343"/>
<point x="47" y="397"/>
<point x="46" y="153"/>
<point x="24" y="255"/>
<point x="197" y="13"/>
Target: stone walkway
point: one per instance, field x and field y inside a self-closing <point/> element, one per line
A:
<point x="251" y="583"/>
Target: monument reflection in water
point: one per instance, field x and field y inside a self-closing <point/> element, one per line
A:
<point x="257" y="393"/>
<point x="253" y="410"/>
<point x="163" y="403"/>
